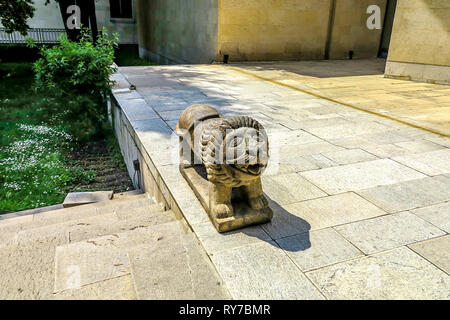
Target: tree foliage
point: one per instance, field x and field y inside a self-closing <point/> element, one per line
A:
<point x="14" y="15"/>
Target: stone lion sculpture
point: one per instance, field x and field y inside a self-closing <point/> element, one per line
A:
<point x="234" y="152"/>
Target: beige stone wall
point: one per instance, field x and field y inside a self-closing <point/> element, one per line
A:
<point x="421" y="32"/>
<point x="420" y="42"/>
<point x="177" y="31"/>
<point x="350" y="31"/>
<point x="199" y="31"/>
<point x="272" y="29"/>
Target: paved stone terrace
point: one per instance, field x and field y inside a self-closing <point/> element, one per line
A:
<point x="361" y="84"/>
<point x="361" y="202"/>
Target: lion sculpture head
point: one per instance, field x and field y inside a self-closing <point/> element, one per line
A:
<point x="235" y="150"/>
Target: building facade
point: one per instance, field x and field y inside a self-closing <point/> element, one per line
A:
<point x="201" y="31"/>
<point x="420" y="42"/>
<point x="116" y="15"/>
<point x="412" y="34"/>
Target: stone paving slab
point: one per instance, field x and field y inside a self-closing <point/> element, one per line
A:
<point x="175" y="268"/>
<point x="396" y="274"/>
<point x="15" y="223"/>
<point x="88" y="262"/>
<point x="350" y="156"/>
<point x="293" y="137"/>
<point x="152" y="133"/>
<point x="27" y="270"/>
<point x="318" y="249"/>
<point x="138" y="109"/>
<point x="431" y="163"/>
<point x="139" y="236"/>
<point x="349" y="129"/>
<point x="263" y="271"/>
<point x="443" y="141"/>
<point x="334" y="210"/>
<point x="391" y="136"/>
<point x="360" y="176"/>
<point x="42" y="264"/>
<point x="387" y="232"/>
<point x="120" y="288"/>
<point x="298" y="158"/>
<point x="438" y="215"/>
<point x="83" y="232"/>
<point x="213" y="242"/>
<point x="292" y="151"/>
<point x="284" y="223"/>
<point x="409" y="194"/>
<point x="388" y="150"/>
<point x="318" y="127"/>
<point x="320" y="161"/>
<point x="437" y="251"/>
<point x="419" y="146"/>
<point x="290" y="188"/>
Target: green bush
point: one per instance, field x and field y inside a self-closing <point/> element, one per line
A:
<point x="78" y="73"/>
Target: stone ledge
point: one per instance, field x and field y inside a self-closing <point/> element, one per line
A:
<point x="418" y="72"/>
<point x="146" y="137"/>
<point x="79" y="198"/>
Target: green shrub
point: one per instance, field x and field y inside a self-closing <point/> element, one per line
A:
<point x="78" y="73"/>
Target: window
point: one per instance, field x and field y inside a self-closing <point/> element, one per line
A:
<point x="121" y="9"/>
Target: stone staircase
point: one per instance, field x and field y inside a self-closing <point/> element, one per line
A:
<point x="125" y="248"/>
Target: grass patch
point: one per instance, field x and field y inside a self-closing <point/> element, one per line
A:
<point x="37" y="167"/>
<point x="34" y="168"/>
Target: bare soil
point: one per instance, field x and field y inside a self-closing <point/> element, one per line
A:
<point x="103" y="158"/>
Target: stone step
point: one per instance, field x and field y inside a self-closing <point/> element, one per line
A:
<point x="104" y="258"/>
<point x="30" y="212"/>
<point x="126" y="194"/>
<point x="141" y="236"/>
<point x="27" y="269"/>
<point x="164" y="261"/>
<point x="27" y="263"/>
<point x="93" y="226"/>
<point x="124" y="248"/>
<point x="80" y="198"/>
<point x="175" y="268"/>
<point x="102" y="229"/>
<point x="120" y="195"/>
<point x="75" y="213"/>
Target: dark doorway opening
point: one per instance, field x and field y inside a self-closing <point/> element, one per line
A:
<point x="387" y="28"/>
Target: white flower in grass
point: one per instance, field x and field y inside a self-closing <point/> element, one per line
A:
<point x="12" y="185"/>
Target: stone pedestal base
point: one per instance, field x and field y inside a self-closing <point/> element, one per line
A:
<point x="243" y="214"/>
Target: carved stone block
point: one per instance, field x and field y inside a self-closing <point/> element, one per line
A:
<point x="222" y="160"/>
